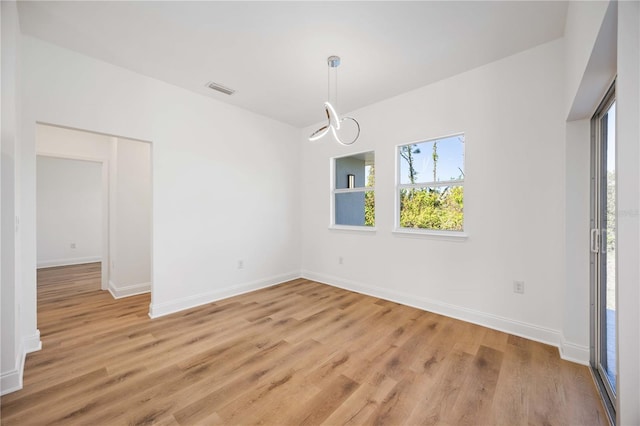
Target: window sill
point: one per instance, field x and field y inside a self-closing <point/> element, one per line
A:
<point x="364" y="229"/>
<point x="421" y="233"/>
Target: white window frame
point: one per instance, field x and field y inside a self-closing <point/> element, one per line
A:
<point x="333" y="191"/>
<point x="422" y="232"/>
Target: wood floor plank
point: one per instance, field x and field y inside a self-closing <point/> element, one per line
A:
<point x="447" y="380"/>
<point x="324" y="402"/>
<point x="397" y="405"/>
<point x="299" y="352"/>
<point x="364" y="401"/>
<point x="474" y="402"/>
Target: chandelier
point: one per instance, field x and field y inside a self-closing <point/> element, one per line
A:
<point x="334" y="122"/>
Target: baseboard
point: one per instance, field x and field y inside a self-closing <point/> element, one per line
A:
<point x="32" y="343"/>
<point x="11" y="381"/>
<point x="568" y="351"/>
<point x="161" y="309"/>
<point x="67" y="262"/>
<point x="129" y="290"/>
<point x="573" y="352"/>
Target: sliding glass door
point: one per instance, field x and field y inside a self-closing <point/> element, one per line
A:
<point x="603" y="249"/>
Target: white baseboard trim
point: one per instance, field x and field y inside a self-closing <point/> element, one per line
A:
<point x="573" y="352"/>
<point x="129" y="290"/>
<point x="161" y="309"/>
<point x="66" y="262"/>
<point x="32" y="343"/>
<point x="568" y="351"/>
<point x="11" y="381"/>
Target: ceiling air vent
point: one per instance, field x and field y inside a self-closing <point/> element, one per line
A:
<point x="220" y="88"/>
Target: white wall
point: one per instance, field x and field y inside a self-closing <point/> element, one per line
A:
<point x="19" y="334"/>
<point x="10" y="351"/>
<point x="61" y="142"/>
<point x="130" y="217"/>
<point x="223" y="178"/>
<point x="69" y="211"/>
<point x="583" y="25"/>
<point x="512" y="114"/>
<point x="628" y="215"/>
<point x="575" y="325"/>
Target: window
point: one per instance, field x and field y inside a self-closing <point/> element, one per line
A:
<point x="353" y="190"/>
<point x="431" y="185"/>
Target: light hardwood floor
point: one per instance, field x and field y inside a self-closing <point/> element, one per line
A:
<point x="297" y="353"/>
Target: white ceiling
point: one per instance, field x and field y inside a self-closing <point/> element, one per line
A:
<point x="274" y="53"/>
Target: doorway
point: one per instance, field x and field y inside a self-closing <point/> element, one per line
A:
<point x="72" y="198"/>
<point x="125" y="230"/>
<point x="603" y="250"/>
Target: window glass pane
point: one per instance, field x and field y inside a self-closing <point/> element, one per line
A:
<point x="432" y="161"/>
<point x="350" y="173"/>
<point x="609" y="319"/>
<point x="439" y="208"/>
<point x="353" y="205"/>
<point x="370" y="173"/>
<point x="355" y="208"/>
<point x="370" y="208"/>
<point x="355" y="171"/>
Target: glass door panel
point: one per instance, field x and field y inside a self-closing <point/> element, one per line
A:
<point x="607" y="279"/>
<point x="603" y="251"/>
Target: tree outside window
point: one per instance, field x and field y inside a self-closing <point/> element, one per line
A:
<point x="431" y="184"/>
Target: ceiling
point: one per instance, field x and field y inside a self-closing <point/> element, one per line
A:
<point x="274" y="54"/>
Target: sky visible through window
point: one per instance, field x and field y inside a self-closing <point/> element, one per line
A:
<point x="367" y="172"/>
<point x="449" y="166"/>
<point x="611" y="138"/>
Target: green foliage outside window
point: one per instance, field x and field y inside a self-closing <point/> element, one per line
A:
<point x="430" y="208"/>
<point x="369" y="199"/>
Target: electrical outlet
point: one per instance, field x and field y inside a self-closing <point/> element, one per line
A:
<point x="240" y="264"/>
<point x="340" y="260"/>
<point x="72" y="245"/>
<point x="518" y="287"/>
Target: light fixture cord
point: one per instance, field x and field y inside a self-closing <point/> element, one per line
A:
<point x="332" y="99"/>
<point x="335" y="88"/>
<point x="336" y="95"/>
<point x="328" y="83"/>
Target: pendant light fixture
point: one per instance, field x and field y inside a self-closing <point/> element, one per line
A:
<point x="334" y="122"/>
